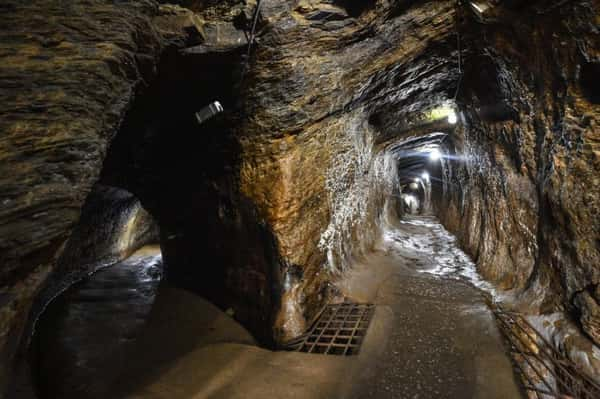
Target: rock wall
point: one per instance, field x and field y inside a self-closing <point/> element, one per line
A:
<point x="327" y="86"/>
<point x="527" y="184"/>
<point x="68" y="74"/>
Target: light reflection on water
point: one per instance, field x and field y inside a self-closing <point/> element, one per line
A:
<point x="81" y="339"/>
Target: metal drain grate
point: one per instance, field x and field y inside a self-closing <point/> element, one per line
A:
<point x="339" y="330"/>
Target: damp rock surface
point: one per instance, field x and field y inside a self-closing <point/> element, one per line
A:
<point x="524" y="198"/>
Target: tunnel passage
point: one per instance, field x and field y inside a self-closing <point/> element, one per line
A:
<point x="113" y="224"/>
<point x="421" y="161"/>
<point x="185" y="172"/>
<point x="321" y="87"/>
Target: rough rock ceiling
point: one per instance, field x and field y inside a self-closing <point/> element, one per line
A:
<point x="393" y="61"/>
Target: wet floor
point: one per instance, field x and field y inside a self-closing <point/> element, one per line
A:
<point x="441" y="340"/>
<point x="121" y="334"/>
<point x="82" y="337"/>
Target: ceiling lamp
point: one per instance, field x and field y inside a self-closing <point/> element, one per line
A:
<point x="452" y="117"/>
<point x="480" y="7"/>
<point x="435" y="154"/>
<point x="447" y="112"/>
<point x="209" y="111"/>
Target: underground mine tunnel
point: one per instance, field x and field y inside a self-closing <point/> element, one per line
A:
<point x="308" y="199"/>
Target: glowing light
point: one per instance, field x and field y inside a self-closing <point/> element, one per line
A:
<point x="417" y="180"/>
<point x="425" y="176"/>
<point x="452" y="117"/>
<point x="411" y="202"/>
<point x="447" y="111"/>
<point x="435" y="154"/>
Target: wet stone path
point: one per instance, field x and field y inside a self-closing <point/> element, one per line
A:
<point x="441" y="340"/>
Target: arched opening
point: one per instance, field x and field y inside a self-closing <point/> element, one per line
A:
<point x="94" y="303"/>
<point x="207" y="249"/>
<point x="81" y="338"/>
<point x="421" y="159"/>
<point x="184" y="170"/>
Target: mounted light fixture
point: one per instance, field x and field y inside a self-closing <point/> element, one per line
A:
<point x="209" y="111"/>
<point x="452" y="117"/>
<point x="435" y="154"/>
<point x="481" y="8"/>
<point x="425" y="176"/>
<point x="447" y="111"/>
<point x="487" y="10"/>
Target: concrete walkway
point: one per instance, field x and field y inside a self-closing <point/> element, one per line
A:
<point x="436" y="337"/>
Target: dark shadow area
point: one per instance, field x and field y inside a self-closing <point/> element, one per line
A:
<point x="490" y="88"/>
<point x="355" y="8"/>
<point x="185" y="173"/>
<point x="590" y="83"/>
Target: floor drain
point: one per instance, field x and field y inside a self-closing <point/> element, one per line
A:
<point x="339" y="330"/>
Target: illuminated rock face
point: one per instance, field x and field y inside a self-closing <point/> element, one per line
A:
<point x="262" y="207"/>
<point x="529" y="190"/>
<point x="328" y="89"/>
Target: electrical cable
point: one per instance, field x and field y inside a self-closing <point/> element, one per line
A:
<point x="458" y="45"/>
<point x="253" y="30"/>
<point x="250" y="40"/>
